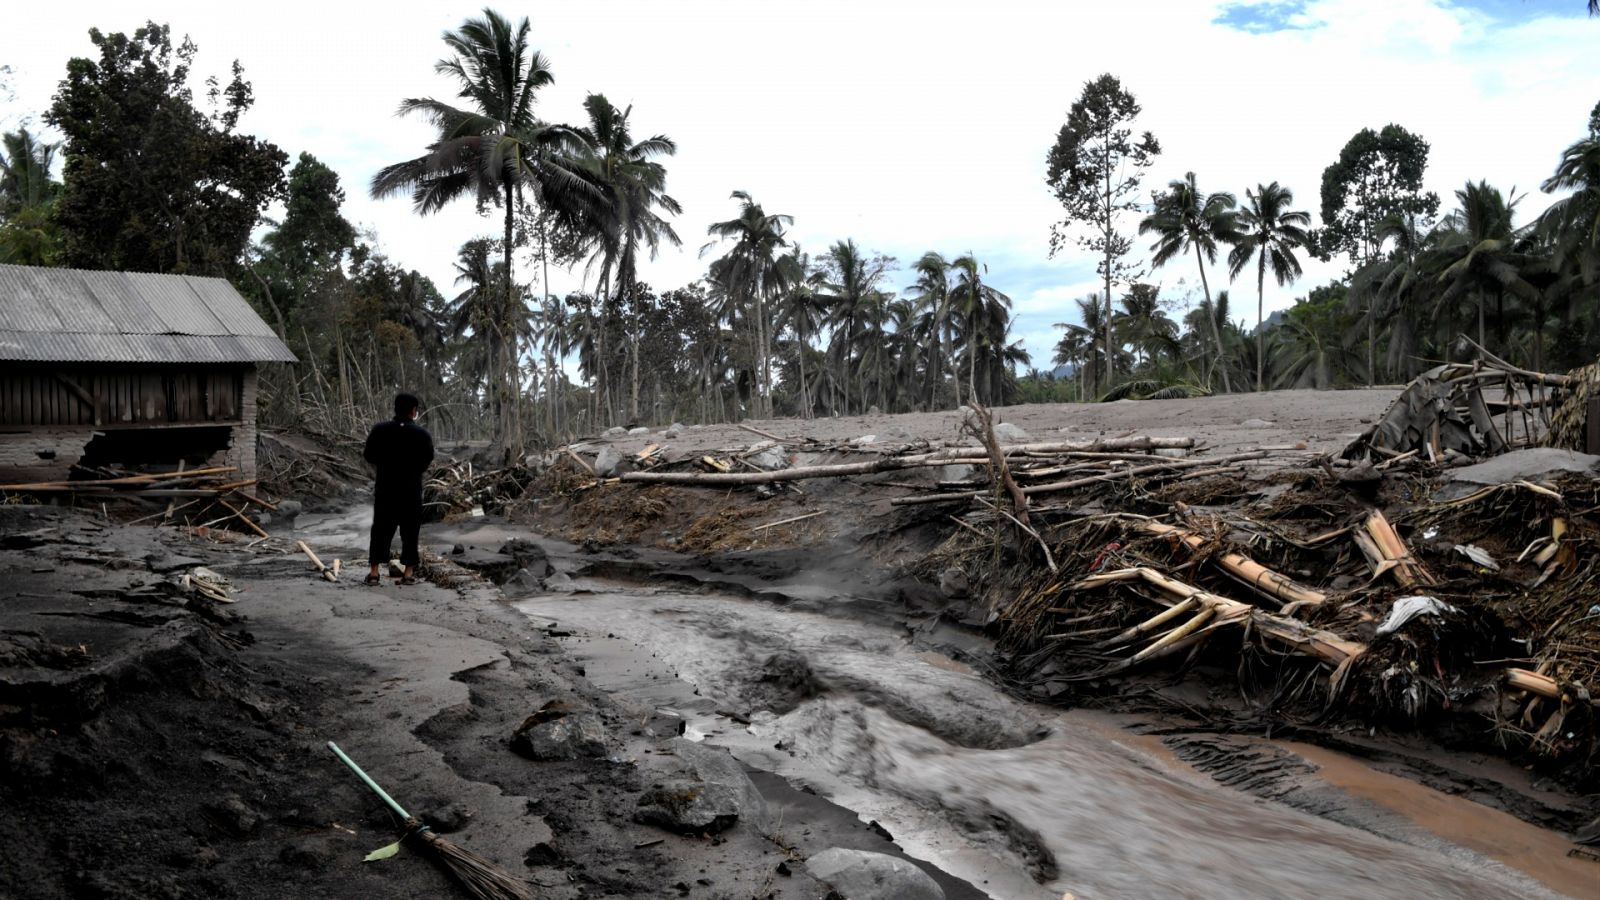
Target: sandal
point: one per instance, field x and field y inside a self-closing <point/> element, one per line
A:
<point x="372" y="580"/>
<point x="408" y="579"/>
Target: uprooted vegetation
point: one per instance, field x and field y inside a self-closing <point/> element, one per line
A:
<point x="1313" y="589"/>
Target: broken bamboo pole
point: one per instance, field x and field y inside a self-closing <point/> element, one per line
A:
<point x="1244" y="569"/>
<point x="789" y="521"/>
<point x="243" y="518"/>
<point x="1408" y="570"/>
<point x="114" y="482"/>
<point x="315" y="561"/>
<point x="1323" y="645"/>
<point x="1134" y="472"/>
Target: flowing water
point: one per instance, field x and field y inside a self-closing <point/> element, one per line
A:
<point x="1020" y="800"/>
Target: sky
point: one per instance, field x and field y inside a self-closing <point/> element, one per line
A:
<point x="908" y="126"/>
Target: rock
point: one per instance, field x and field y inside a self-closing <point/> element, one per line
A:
<point x="864" y="875"/>
<point x="261" y="518"/>
<point x="874" y="411"/>
<point x="1009" y="433"/>
<point x="607" y="461"/>
<point x="457" y="550"/>
<point x="956" y="473"/>
<point x="615" y="432"/>
<point x="524" y="580"/>
<point x="572" y="736"/>
<point x="703" y="790"/>
<point x="1257" y="423"/>
<point x="1362" y="477"/>
<point x="542" y="854"/>
<point x="528" y="555"/>
<point x="673" y="430"/>
<point x="785" y="680"/>
<point x="635" y="432"/>
<point x="447" y="819"/>
<point x="953" y="583"/>
<point x="233" y="815"/>
<point x="288" y="510"/>
<point x="769" y="459"/>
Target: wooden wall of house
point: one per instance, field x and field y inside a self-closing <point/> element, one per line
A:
<point x="66" y="395"/>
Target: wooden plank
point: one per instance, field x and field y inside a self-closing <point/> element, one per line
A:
<point x="1591" y="426"/>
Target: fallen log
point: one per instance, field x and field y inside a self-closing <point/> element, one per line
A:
<point x="1408" y="570"/>
<point x="115" y="482"/>
<point x="1134" y="472"/>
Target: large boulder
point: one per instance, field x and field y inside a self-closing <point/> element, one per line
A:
<point x="615" y="432"/>
<point x="579" y="735"/>
<point x="636" y="432"/>
<point x="673" y="430"/>
<point x="864" y="875"/>
<point x="1009" y="433"/>
<point x="607" y="461"/>
<point x="702" y="790"/>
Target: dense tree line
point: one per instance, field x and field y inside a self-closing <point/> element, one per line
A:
<point x="155" y="178"/>
<point x="1418" y="285"/>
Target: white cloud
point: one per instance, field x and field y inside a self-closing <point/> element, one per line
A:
<point x="907" y="127"/>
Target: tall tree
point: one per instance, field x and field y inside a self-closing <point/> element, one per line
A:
<point x="488" y="148"/>
<point x="28" y="233"/>
<point x="1185" y="219"/>
<point x="1094" y="170"/>
<point x="753" y="271"/>
<point x="1377" y="177"/>
<point x="633" y="198"/>
<point x="1270" y="232"/>
<point x="850" y="285"/>
<point x="151" y="183"/>
<point x="985" y="317"/>
<point x="1478" y="254"/>
<point x="934" y="321"/>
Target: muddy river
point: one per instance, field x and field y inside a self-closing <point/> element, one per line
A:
<point x="1019" y="800"/>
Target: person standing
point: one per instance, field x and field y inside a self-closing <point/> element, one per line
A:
<point x="400" y="450"/>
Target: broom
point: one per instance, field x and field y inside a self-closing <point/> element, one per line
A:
<point x="482" y="879"/>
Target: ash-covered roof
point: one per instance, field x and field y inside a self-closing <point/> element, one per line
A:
<point x="72" y="315"/>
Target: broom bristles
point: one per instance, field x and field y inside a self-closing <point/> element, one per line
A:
<point x="482" y="878"/>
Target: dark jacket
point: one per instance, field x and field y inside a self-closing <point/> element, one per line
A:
<point x="401" y="450"/>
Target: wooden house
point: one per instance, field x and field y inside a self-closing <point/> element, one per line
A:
<point x="126" y="369"/>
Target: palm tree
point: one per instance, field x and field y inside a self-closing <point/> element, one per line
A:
<point x="628" y="216"/>
<point x="801" y="311"/>
<point x="1143" y="324"/>
<point x="487" y="149"/>
<point x="982" y="309"/>
<point x="1479" y="253"/>
<point x="934" y="319"/>
<point x="753" y="271"/>
<point x="1185" y="219"/>
<point x="25" y="164"/>
<point x="1270" y="232"/>
<point x="850" y="281"/>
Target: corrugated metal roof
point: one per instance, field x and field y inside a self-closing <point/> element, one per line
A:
<point x="70" y="315"/>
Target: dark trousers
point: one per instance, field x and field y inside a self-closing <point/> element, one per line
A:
<point x="384" y="522"/>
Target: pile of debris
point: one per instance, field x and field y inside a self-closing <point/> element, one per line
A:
<point x="454" y="490"/>
<point x="1393" y="584"/>
<point x="209" y="495"/>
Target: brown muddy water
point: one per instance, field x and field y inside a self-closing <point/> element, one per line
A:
<point x="1021" y="801"/>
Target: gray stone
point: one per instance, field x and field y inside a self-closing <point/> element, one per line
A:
<point x="635" y="432"/>
<point x="874" y="411"/>
<point x="1010" y="433"/>
<point x="524" y="580"/>
<point x="956" y="473"/>
<point x="607" y="461"/>
<point x="528" y="555"/>
<point x="953" y="583"/>
<point x="864" y="875"/>
<point x="617" y="431"/>
<point x="573" y="736"/>
<point x="673" y="430"/>
<point x="289" y="509"/>
<point x="703" y="790"/>
<point x="233" y="815"/>
<point x="769" y="459"/>
<point x="1257" y="423"/>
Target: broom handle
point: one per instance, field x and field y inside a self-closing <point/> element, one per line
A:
<point x="398" y="810"/>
